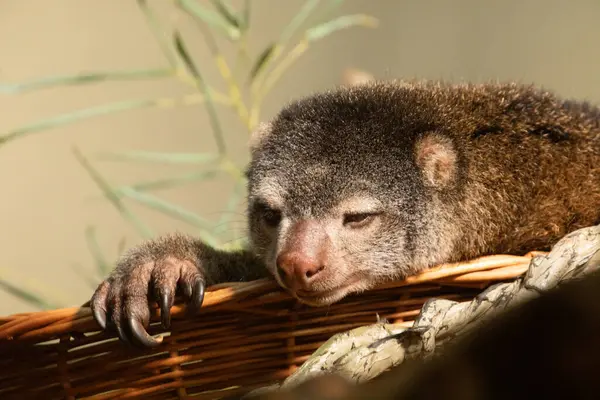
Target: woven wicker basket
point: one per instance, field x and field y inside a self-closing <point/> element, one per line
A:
<point x="247" y="335"/>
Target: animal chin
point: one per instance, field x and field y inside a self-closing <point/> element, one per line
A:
<point x="318" y="298"/>
<point x="321" y="298"/>
<point x="325" y="297"/>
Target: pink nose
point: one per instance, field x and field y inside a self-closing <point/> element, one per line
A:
<point x="298" y="270"/>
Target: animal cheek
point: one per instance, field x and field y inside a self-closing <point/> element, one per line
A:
<point x="270" y="261"/>
<point x="351" y="245"/>
<point x="264" y="247"/>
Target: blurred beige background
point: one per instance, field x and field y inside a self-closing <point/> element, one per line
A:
<point x="48" y="200"/>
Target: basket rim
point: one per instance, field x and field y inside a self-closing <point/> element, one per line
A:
<point x="39" y="326"/>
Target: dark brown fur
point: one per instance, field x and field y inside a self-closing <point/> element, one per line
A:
<point x="396" y="177"/>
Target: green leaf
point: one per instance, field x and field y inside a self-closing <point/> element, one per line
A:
<point x="272" y="52"/>
<point x="112" y="196"/>
<point x="27" y="296"/>
<point x="226" y="12"/>
<point x="210" y="17"/>
<point x="343" y="22"/>
<point x="102" y="265"/>
<point x="158" y="157"/>
<point x="185" y="56"/>
<point x="330" y="6"/>
<point x="204" y="89"/>
<point x="246" y="16"/>
<point x="171" y="210"/>
<point x="161" y="37"/>
<point x="83" y="79"/>
<point x="311" y="35"/>
<point x="261" y="61"/>
<point x="235" y="94"/>
<point x="79" y="115"/>
<point x="168" y="183"/>
<point x="298" y="20"/>
<point x="75" y="116"/>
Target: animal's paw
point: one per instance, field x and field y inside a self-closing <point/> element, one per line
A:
<point x="122" y="302"/>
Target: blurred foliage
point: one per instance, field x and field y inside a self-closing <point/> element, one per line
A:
<point x="215" y="18"/>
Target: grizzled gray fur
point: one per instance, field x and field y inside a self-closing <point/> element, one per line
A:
<point x="362" y="185"/>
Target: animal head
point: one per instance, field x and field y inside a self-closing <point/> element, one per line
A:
<point x="355" y="186"/>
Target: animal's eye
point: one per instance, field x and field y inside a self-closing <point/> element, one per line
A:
<point x="270" y="216"/>
<point x="359" y="220"/>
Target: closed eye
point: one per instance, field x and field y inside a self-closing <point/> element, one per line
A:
<point x="269" y="215"/>
<point x="359" y="220"/>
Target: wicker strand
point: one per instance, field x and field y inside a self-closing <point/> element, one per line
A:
<point x="63" y="368"/>
<point x="246" y="335"/>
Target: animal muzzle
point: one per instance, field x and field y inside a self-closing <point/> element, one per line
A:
<point x="305" y="257"/>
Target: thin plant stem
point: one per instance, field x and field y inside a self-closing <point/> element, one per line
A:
<point x="203" y="87"/>
<point x="235" y="94"/>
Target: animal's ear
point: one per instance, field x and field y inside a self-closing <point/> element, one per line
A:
<point x="436" y="157"/>
<point x="259" y="134"/>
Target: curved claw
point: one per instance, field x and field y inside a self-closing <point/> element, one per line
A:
<point x="187" y="290"/>
<point x="100" y="317"/>
<point x="198" y="296"/>
<point x="165" y="310"/>
<point x="141" y="335"/>
<point x="98" y="304"/>
<point x="122" y="335"/>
